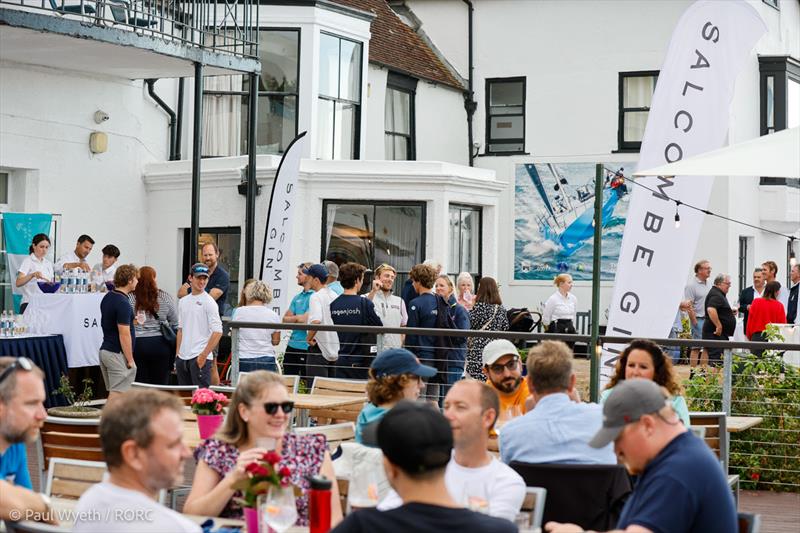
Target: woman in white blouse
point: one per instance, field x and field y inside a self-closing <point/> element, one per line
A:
<point x="34" y="268"/>
<point x="560" y="308"/>
<point x="257" y="346"/>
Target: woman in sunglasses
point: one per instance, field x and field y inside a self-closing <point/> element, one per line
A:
<point x="258" y="415"/>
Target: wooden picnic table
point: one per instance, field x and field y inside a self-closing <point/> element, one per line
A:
<point x="735" y="424"/>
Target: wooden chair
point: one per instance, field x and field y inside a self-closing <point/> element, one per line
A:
<point x="533" y="505"/>
<point x="292" y="383"/>
<point x="70" y="478"/>
<point x="69" y="438"/>
<point x="224" y="389"/>
<point x="334" y="433"/>
<point x="183" y="391"/>
<point x="338" y="387"/>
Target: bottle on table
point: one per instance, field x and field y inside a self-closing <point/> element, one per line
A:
<point x="319" y="504"/>
<point x="4" y="324"/>
<point x="12" y="324"/>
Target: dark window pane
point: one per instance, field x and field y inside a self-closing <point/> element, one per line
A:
<point x="278" y="51"/>
<point x="350" y="71"/>
<point x="398" y="236"/>
<point x="324" y="129"/>
<point x="277" y="119"/>
<point x="328" y="65"/>
<point x="506" y="127"/>
<point x="505" y="93"/>
<point x="349" y="233"/>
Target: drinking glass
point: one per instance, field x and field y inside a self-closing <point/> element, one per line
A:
<point x="277" y="509"/>
<point x="475" y="498"/>
<point x="363" y="491"/>
<point x="140" y="318"/>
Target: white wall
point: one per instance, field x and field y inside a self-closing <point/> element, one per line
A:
<point x="46" y="117"/>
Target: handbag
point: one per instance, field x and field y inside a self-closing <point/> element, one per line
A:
<point x="167" y="332"/>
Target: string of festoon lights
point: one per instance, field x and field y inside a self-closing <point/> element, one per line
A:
<point x="618" y="175"/>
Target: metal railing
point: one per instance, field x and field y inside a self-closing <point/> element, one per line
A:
<point x="763" y="389"/>
<point x="229" y="27"/>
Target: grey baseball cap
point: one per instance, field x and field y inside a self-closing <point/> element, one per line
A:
<point x="626" y="404"/>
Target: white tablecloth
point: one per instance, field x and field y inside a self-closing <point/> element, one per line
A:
<point x="791" y="334"/>
<point x="76" y="317"/>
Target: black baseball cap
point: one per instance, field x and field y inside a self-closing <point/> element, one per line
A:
<point x="415" y="437"/>
<point x="398" y="361"/>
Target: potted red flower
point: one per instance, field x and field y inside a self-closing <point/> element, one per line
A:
<point x="261" y="475"/>
<point x="208" y="405"/>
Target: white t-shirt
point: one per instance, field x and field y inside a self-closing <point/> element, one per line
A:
<point x="319" y="309"/>
<point x="108" y="273"/>
<point x="106" y="507"/>
<point x="392" y="310"/>
<point x="496" y="482"/>
<point x="255" y="342"/>
<point x="69" y="257"/>
<point x="31" y="264"/>
<point x="198" y="318"/>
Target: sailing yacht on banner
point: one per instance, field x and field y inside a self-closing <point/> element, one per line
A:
<point x="567" y="214"/>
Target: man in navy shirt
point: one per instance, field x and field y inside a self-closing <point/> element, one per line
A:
<point x="681" y="487"/>
<point x="119" y="335"/>
<point x="21" y="416"/>
<point x="422" y="314"/>
<point x="356" y="350"/>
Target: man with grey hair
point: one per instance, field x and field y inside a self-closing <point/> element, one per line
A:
<point x="333" y="277"/>
<point x="558" y="427"/>
<point x="22" y="414"/>
<point x="142" y="438"/>
<point x="696" y="291"/>
<point x="720" y="322"/>
<point x="680" y="485"/>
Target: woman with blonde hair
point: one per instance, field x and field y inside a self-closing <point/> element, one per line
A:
<point x="257" y="346"/>
<point x="561" y="307"/>
<point x="465" y="287"/>
<point x="488" y="314"/>
<point x="454" y="368"/>
<point x="258" y="416"/>
<point x="394" y="375"/>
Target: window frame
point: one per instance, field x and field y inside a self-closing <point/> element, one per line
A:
<point x="406" y="84"/>
<point x="489" y="116"/>
<point x="475" y="208"/>
<point x="781" y="69"/>
<point x="401" y="274"/>
<point x="622" y="144"/>
<point x="338" y="100"/>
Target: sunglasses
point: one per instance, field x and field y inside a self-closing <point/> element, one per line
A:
<point x="21" y="362"/>
<point x="511" y="365"/>
<point x="271" y="408"/>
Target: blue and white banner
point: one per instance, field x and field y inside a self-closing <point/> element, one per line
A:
<point x="18" y="230"/>
<point x="688" y="116"/>
<point x="276" y="270"/>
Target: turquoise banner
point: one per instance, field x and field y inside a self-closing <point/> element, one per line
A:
<point x="18" y="231"/>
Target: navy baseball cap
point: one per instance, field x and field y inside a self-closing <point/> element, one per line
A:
<point x="199" y="269"/>
<point x="398" y="361"/>
<point x="317" y="271"/>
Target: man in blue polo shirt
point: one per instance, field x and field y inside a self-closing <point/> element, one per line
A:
<point x="681" y="487"/>
<point x="294" y="360"/>
<point x="22" y="414"/>
<point x="422" y="313"/>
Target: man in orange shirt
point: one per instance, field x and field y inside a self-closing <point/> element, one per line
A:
<point x="503" y="369"/>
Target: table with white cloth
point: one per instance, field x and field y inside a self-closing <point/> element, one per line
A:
<point x="791" y="334"/>
<point x="76" y="317"/>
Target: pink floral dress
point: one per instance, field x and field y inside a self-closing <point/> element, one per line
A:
<point x="303" y="454"/>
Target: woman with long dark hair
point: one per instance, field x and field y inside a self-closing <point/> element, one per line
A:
<point x="34" y="268"/>
<point x="154" y="356"/>
<point x="644" y="359"/>
<point x="488" y="314"/>
<point x="763" y="311"/>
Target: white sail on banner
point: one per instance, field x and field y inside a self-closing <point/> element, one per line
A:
<point x="688" y="116"/>
<point x="276" y="270"/>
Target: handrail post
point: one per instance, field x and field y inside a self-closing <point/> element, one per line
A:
<point x="594" y="353"/>
<point x="727" y="381"/>
<point x="234" y="356"/>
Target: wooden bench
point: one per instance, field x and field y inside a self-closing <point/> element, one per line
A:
<point x="70" y="478"/>
<point x="338" y="387"/>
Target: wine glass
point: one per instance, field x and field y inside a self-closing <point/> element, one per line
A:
<point x="363" y="492"/>
<point x="475" y="497"/>
<point x="277" y="509"/>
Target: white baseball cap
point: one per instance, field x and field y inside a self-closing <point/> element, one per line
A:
<point x="497" y="349"/>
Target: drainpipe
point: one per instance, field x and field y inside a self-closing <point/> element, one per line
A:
<point x="179" y="123"/>
<point x="172" y="130"/>
<point x="469" y="99"/>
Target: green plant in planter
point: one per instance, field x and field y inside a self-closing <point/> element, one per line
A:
<point x="75" y="403"/>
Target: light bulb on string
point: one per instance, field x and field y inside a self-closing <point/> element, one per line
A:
<point x="677" y="216"/>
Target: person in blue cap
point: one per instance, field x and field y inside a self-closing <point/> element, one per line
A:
<point x="394" y="375"/>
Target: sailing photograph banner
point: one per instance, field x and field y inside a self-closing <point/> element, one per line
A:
<point x="553" y="220"/>
<point x="18" y="231"/>
<point x="688" y="116"/>
<point x="276" y="269"/>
